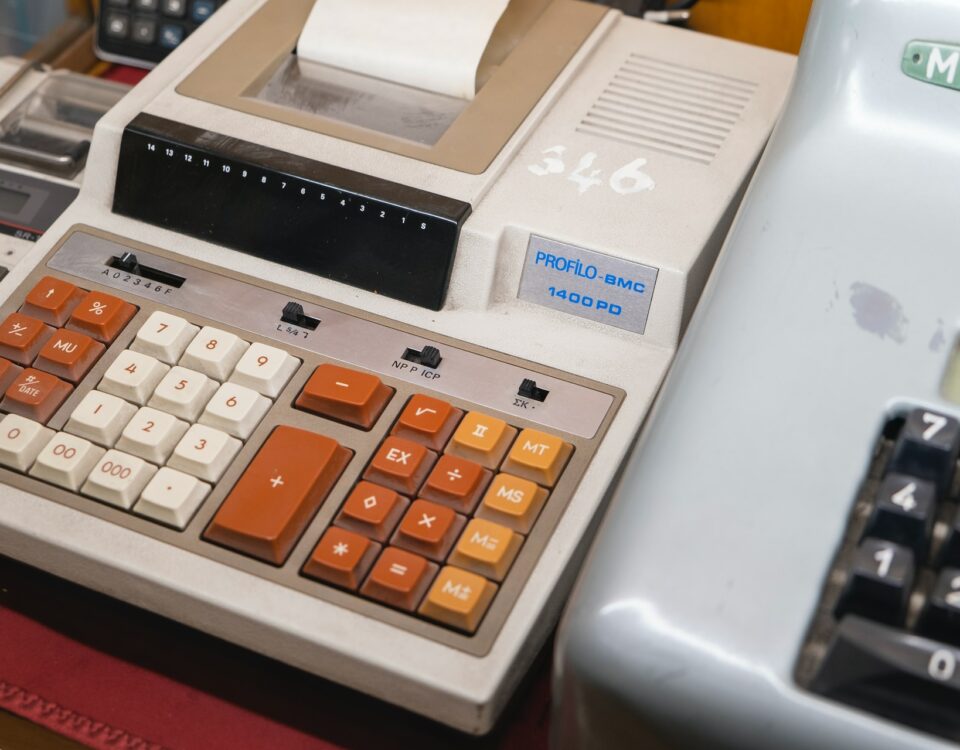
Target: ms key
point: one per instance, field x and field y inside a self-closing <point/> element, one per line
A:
<point x="927" y="447"/>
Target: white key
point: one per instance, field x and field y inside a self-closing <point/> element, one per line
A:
<point x="214" y="352"/>
<point x="66" y="460"/>
<point x="118" y="478"/>
<point x="235" y="410"/>
<point x="164" y="336"/>
<point x="183" y="393"/>
<point x="133" y="376"/>
<point x="152" y="434"/>
<point x="204" y="452"/>
<point x="21" y="441"/>
<point x="100" y="417"/>
<point x="265" y="369"/>
<point x="172" y="497"/>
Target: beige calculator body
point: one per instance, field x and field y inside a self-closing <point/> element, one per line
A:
<point x="276" y="432"/>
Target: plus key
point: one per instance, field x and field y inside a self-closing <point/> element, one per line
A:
<point x="268" y="509"/>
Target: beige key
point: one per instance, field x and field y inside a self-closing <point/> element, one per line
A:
<point x="118" y="478"/>
<point x="265" y="369"/>
<point x="164" y="336"/>
<point x="100" y="417"/>
<point x="133" y="376"/>
<point x="152" y="434"/>
<point x="236" y="410"/>
<point x="204" y="452"/>
<point x="171" y="497"/>
<point x="21" y="441"/>
<point x="183" y="393"/>
<point x="214" y="352"/>
<point x="66" y="461"/>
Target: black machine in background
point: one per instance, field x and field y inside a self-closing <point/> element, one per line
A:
<point x="143" y="32"/>
<point x="664" y="11"/>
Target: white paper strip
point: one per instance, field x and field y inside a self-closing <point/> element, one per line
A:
<point x="435" y="45"/>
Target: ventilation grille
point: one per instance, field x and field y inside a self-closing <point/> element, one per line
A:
<point x="670" y="108"/>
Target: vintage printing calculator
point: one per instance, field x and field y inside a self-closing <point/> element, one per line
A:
<point x="816" y="396"/>
<point x="348" y="390"/>
<point x="46" y="124"/>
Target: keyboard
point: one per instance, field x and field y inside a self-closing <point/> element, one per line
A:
<point x="414" y="502"/>
<point x="143" y="32"/>
<point x="888" y="623"/>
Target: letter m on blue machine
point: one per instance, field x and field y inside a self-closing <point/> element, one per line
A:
<point x="933" y="62"/>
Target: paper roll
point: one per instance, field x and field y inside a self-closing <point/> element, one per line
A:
<point x="436" y="45"/>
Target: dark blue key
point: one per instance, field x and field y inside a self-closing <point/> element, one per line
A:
<point x="144" y="30"/>
<point x="927" y="447"/>
<point x="904" y="512"/>
<point x="175" y="8"/>
<point x="202" y="10"/>
<point x="899" y="675"/>
<point x="118" y="25"/>
<point x="171" y="35"/>
<point x="879" y="582"/>
<point x="940" y="618"/>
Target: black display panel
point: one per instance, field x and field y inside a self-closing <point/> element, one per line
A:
<point x="29" y="205"/>
<point x="371" y="233"/>
<point x="12" y="201"/>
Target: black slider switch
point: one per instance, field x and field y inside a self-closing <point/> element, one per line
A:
<point x="528" y="389"/>
<point x="429" y="357"/>
<point x="126" y="262"/>
<point x="927" y="447"/>
<point x="294" y="315"/>
<point x="905" y="512"/>
<point x="880" y="579"/>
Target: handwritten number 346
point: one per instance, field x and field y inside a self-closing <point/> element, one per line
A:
<point x="630" y="178"/>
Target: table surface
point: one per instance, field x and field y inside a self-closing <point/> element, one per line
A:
<point x="97" y="670"/>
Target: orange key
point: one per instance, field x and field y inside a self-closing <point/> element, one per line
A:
<point x="52" y="301"/>
<point x="458" y="598"/>
<point x="341" y="558"/>
<point x="513" y="502"/>
<point x="69" y="355"/>
<point x="486" y="548"/>
<point x="428" y="529"/>
<point x="281" y="490"/>
<point x="8" y="371"/>
<point x="399" y="579"/>
<point x="101" y="315"/>
<point x="400" y="465"/>
<point x="538" y="456"/>
<point x="456" y="482"/>
<point x="372" y="510"/>
<point x="482" y="438"/>
<point x="21" y="337"/>
<point x="35" y="395"/>
<point x="356" y="398"/>
<point x="427" y="420"/>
